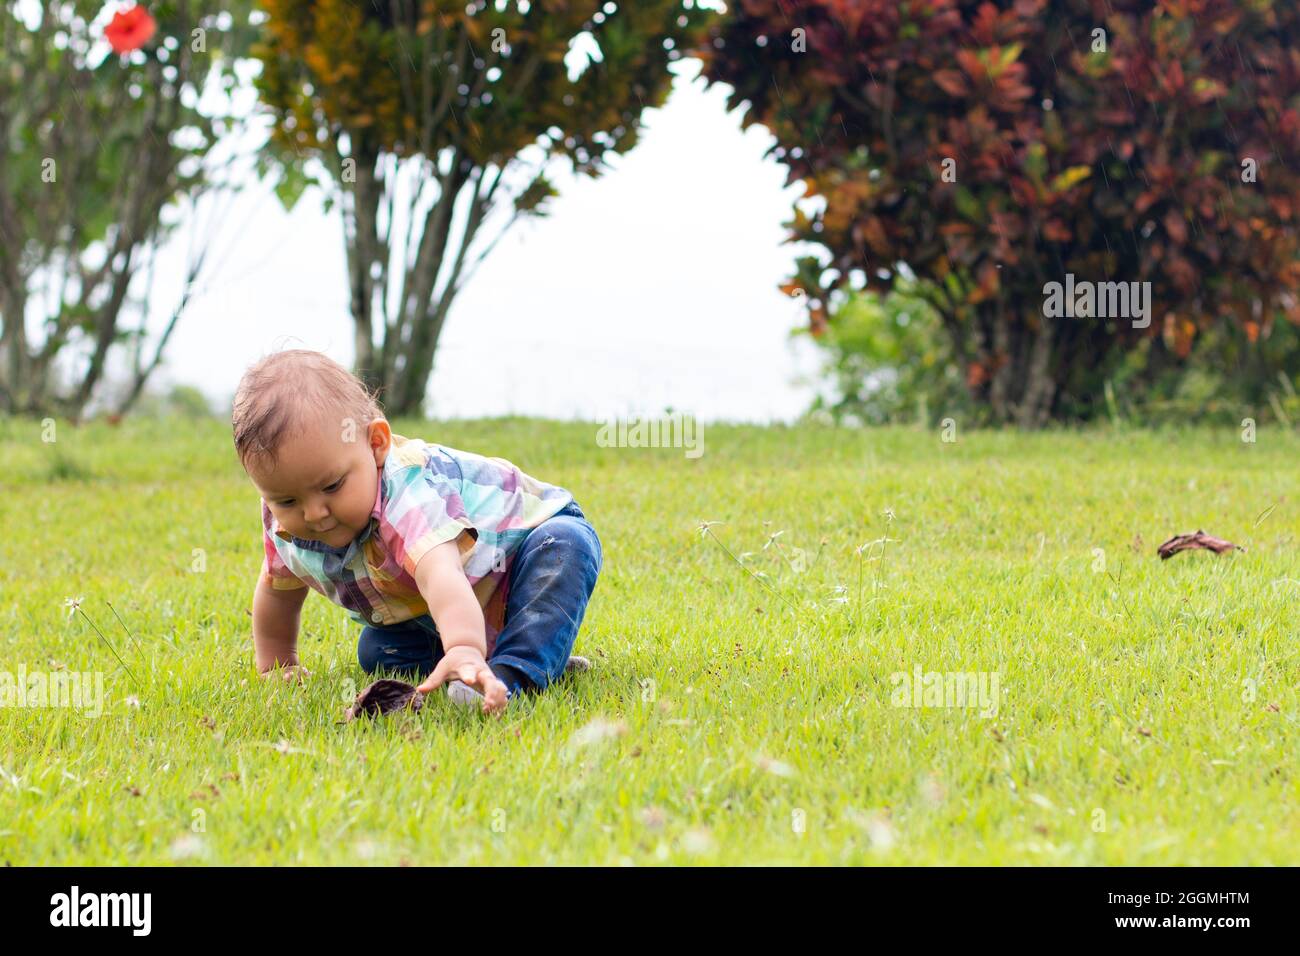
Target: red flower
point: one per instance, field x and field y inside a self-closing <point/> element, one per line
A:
<point x="130" y="29"/>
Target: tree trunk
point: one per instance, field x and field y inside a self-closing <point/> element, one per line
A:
<point x="13" y="342"/>
<point x="1022" y="385"/>
<point x="425" y="310"/>
<point x="424" y="341"/>
<point x="362" y="253"/>
<point x="1006" y="371"/>
<point x="1039" y="385"/>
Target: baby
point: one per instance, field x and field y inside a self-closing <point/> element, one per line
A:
<point x="461" y="569"/>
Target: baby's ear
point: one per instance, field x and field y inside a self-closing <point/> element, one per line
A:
<point x="381" y="439"/>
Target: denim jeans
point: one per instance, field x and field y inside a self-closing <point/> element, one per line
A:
<point x="550" y="582"/>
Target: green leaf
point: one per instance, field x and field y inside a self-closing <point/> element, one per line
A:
<point x="290" y="187"/>
<point x="1070" y="178"/>
<point x="531" y="202"/>
<point x="970" y="208"/>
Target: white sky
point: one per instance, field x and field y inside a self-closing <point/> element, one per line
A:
<point x="654" y="285"/>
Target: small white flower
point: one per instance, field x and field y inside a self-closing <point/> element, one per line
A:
<point x="774" y="767"/>
<point x="187" y="847"/>
<point x="771" y="538"/>
<point x="597" y="730"/>
<point x="73" y="605"/>
<point x="881" y="833"/>
<point x="704" y="526"/>
<point x="697" y="841"/>
<point x="284" y="747"/>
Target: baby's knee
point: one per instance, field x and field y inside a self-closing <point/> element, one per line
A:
<point x="572" y="533"/>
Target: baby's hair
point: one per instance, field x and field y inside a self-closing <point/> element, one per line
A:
<point x="281" y="393"/>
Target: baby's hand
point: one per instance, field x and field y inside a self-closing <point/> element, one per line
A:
<point x="467" y="664"/>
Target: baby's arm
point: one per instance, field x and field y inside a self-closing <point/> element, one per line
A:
<point x="275" y="625"/>
<point x="459" y="618"/>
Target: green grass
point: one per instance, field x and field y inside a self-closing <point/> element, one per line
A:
<point x="1162" y="695"/>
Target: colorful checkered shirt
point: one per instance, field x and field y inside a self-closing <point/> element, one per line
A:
<point x="427" y="494"/>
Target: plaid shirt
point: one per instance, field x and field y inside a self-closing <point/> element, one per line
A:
<point x="427" y="494"/>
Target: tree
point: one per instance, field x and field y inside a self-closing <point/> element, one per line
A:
<point x="436" y="122"/>
<point x="995" y="148"/>
<point x="99" y="135"/>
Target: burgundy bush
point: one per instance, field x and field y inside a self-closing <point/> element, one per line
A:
<point x="998" y="147"/>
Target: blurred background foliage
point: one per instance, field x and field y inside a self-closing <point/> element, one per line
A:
<point x="990" y="148"/>
<point x="886" y="359"/>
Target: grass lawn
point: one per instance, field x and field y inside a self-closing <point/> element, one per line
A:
<point x="1146" y="711"/>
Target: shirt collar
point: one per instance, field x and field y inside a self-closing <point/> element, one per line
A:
<point x="378" y="509"/>
<point x="275" y="525"/>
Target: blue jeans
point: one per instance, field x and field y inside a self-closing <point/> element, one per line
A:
<point x="550" y="582"/>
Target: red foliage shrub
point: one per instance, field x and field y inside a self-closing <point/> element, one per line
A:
<point x="998" y="147"/>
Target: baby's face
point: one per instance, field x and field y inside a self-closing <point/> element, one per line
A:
<point x="323" y="483"/>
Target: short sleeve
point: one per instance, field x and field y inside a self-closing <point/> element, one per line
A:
<point x="274" y="571"/>
<point x="424" y="510"/>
